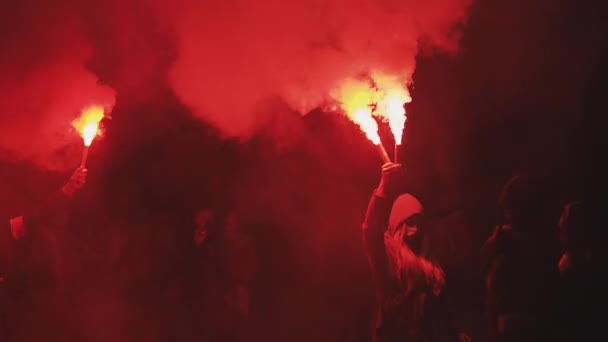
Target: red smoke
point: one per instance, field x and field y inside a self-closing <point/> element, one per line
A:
<point x="233" y="55"/>
<point x="45" y="83"/>
<point x="231" y="58"/>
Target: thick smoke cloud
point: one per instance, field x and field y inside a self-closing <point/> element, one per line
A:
<point x="233" y="55"/>
<point x="231" y="58"/>
<point x="45" y="83"/>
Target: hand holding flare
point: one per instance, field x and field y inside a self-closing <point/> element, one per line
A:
<point x="87" y="125"/>
<point x="395" y="114"/>
<point x="393" y="95"/>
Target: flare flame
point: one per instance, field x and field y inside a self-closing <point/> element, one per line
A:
<point x="88" y="123"/>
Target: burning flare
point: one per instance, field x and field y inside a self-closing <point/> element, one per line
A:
<point x="393" y="97"/>
<point x="87" y="124"/>
<point x="356" y="98"/>
<point x="387" y="94"/>
<point x="363" y="118"/>
<point x="393" y="111"/>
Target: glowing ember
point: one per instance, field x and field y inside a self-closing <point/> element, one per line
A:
<point x="88" y="123"/>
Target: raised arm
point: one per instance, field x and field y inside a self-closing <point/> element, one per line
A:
<point x="20" y="225"/>
<point x="376" y="223"/>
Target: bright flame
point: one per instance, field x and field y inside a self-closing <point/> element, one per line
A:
<point x="388" y="95"/>
<point x="355" y="98"/>
<point x="87" y="124"/>
<point x="394" y="96"/>
<point x="363" y="118"/>
<point x="392" y="109"/>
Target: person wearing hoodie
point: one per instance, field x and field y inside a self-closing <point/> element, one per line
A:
<point x="520" y="266"/>
<point x="411" y="304"/>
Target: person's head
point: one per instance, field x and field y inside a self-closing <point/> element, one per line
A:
<point x="406" y="221"/>
<point x="404" y="243"/>
<point x="523" y="202"/>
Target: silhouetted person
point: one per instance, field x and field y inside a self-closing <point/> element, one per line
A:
<point x="521" y="272"/>
<point x="204" y="284"/>
<point x="409" y="283"/>
<point x="582" y="270"/>
<point x="15" y="234"/>
<point x="236" y="260"/>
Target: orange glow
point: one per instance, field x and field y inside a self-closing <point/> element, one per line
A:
<point x="394" y="96"/>
<point x="355" y="98"/>
<point x="87" y="124"/>
<point x="388" y="95"/>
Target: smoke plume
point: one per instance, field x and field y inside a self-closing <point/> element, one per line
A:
<point x="232" y="55"/>
<point x="231" y="58"/>
<point x="45" y="83"/>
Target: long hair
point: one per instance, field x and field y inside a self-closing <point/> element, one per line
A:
<point x="413" y="273"/>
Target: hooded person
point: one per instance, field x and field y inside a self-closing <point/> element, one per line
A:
<point x="409" y="283"/>
<point x="582" y="271"/>
<point x="520" y="265"/>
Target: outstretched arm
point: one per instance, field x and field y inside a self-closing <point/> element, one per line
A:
<point x="20" y="225"/>
<point x="376" y="222"/>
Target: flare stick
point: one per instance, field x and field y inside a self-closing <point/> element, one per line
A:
<point x="383" y="154"/>
<point x="85" y="154"/>
<point x="396" y="158"/>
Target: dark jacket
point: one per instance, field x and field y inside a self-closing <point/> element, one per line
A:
<point x="11" y="250"/>
<point x="522" y="280"/>
<point x="20" y="264"/>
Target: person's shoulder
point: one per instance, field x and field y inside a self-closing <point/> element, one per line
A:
<point x="499" y="235"/>
<point x="495" y="244"/>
